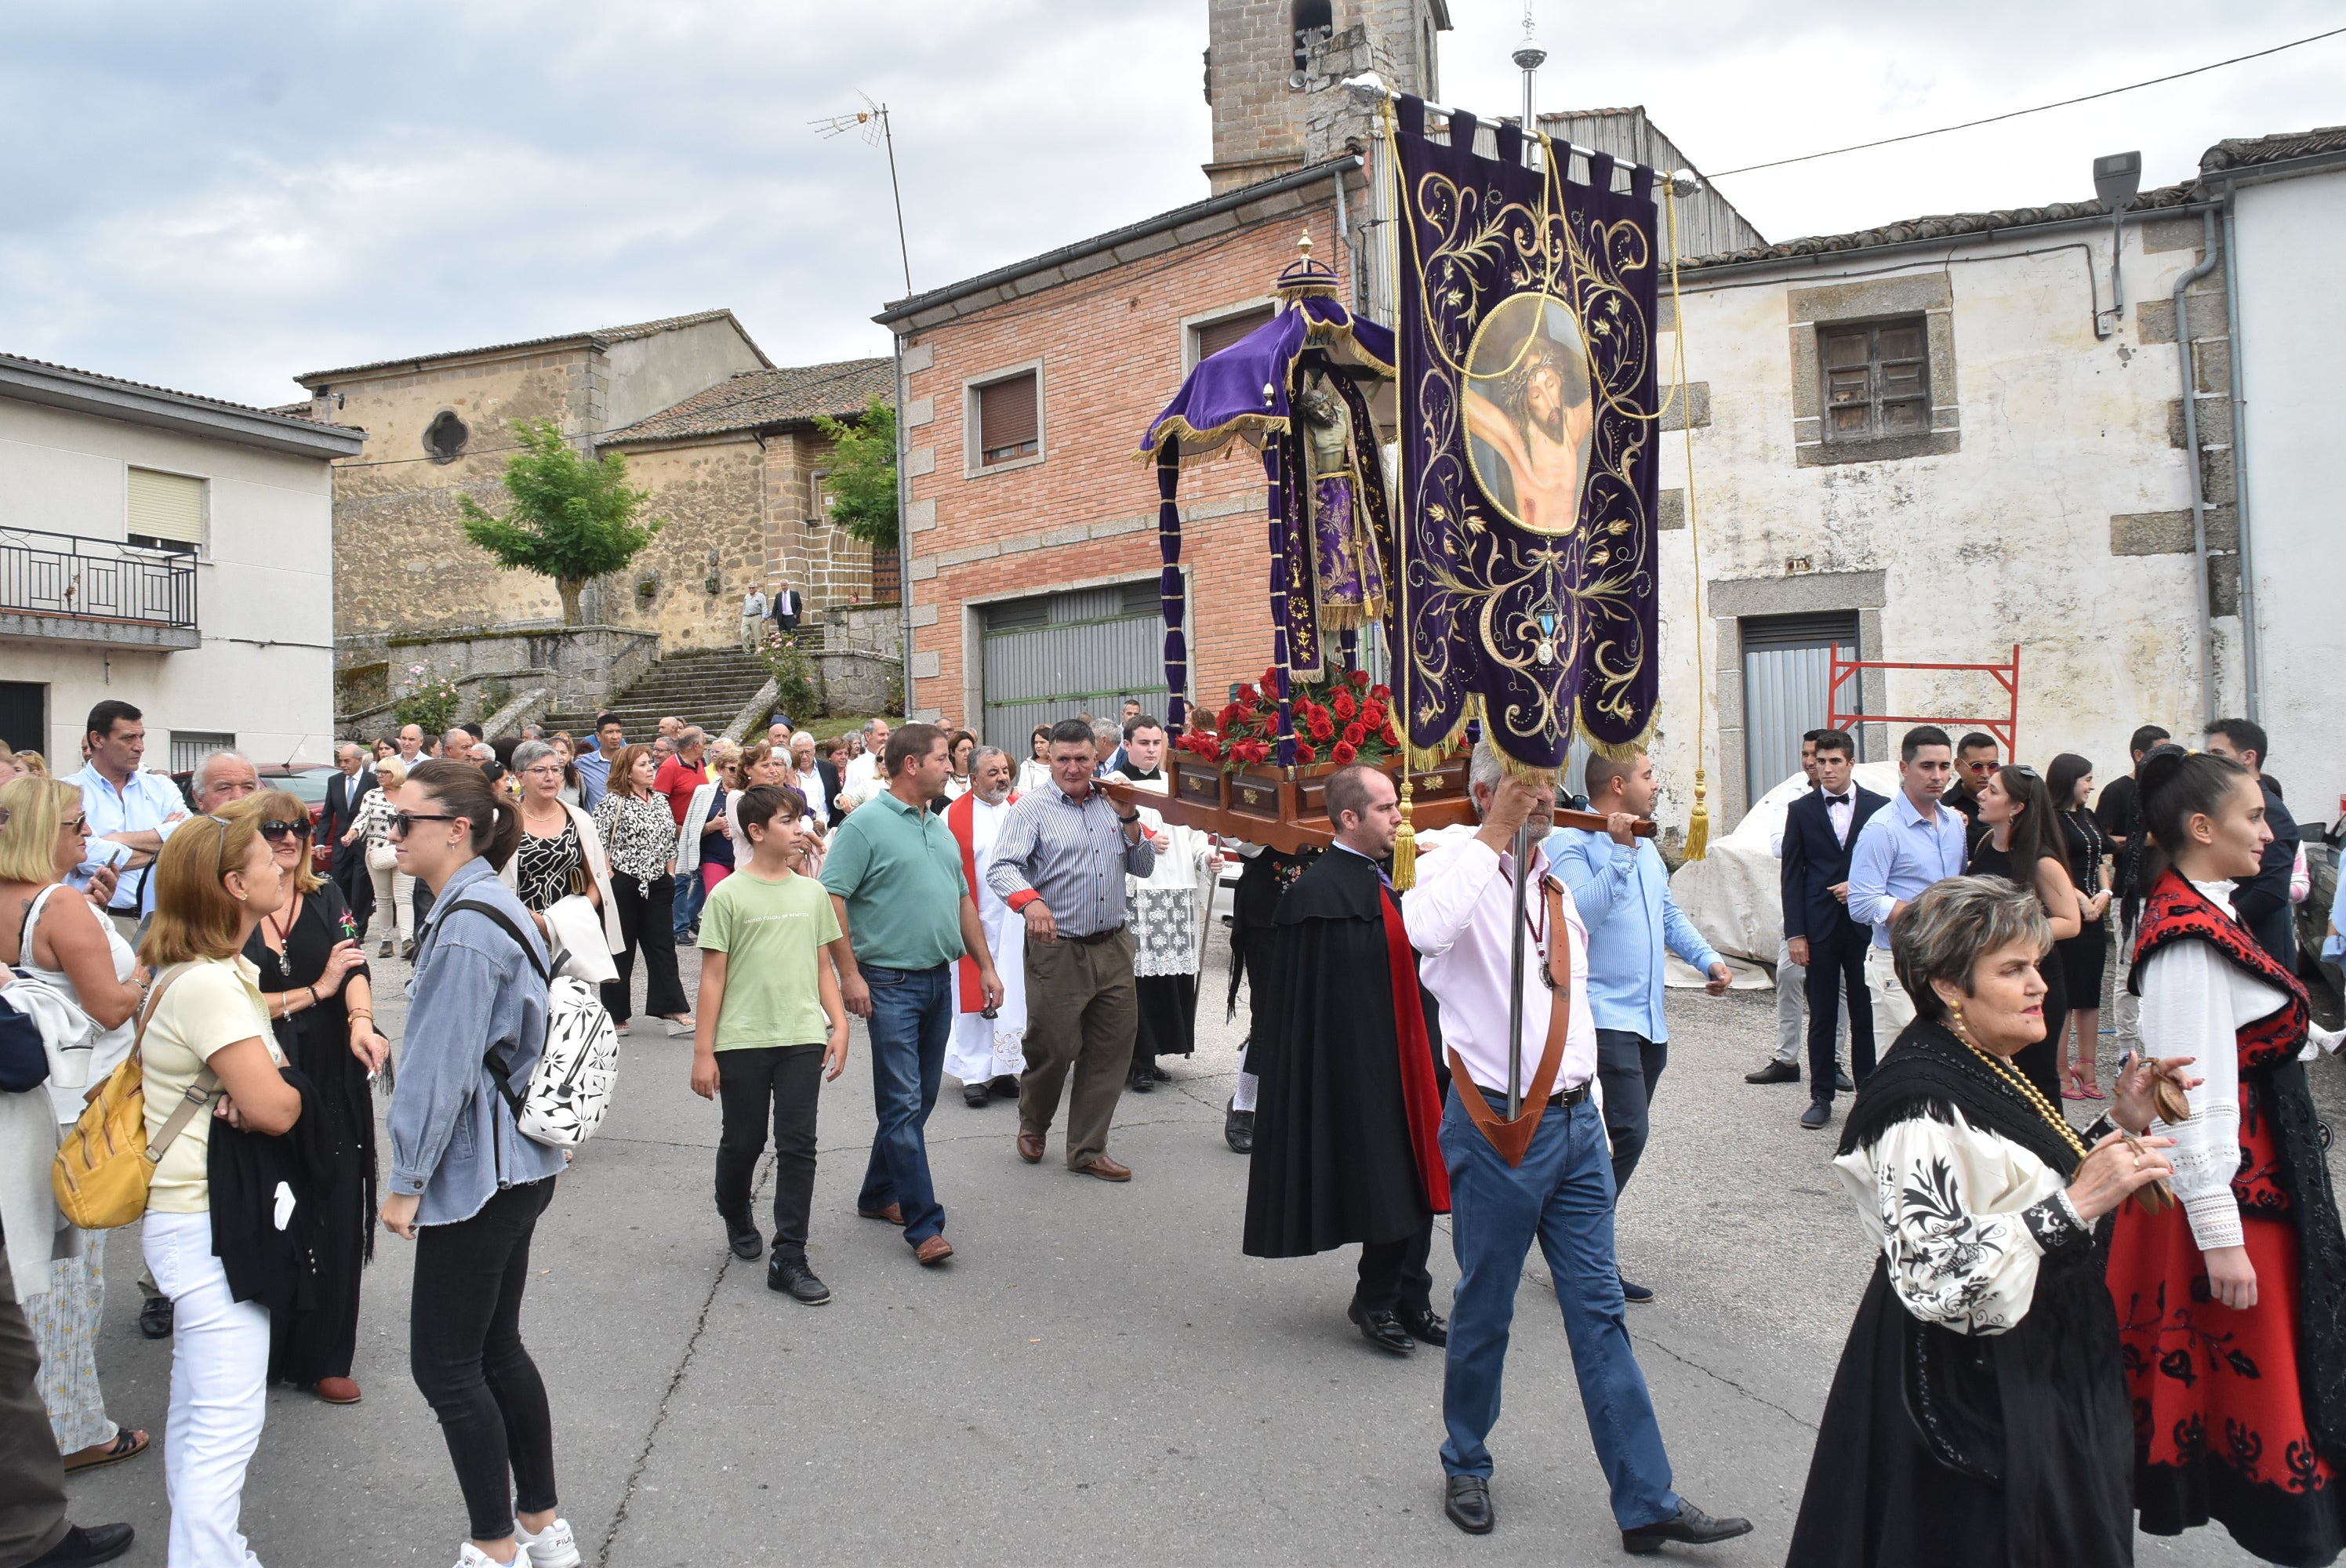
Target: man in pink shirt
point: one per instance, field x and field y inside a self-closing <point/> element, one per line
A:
<point x="677" y="777"/>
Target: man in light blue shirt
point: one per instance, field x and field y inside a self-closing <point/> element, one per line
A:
<point x="130" y="812"/>
<point x="1902" y="849"/>
<point x="1622" y="890"/>
<point x="594" y="764"/>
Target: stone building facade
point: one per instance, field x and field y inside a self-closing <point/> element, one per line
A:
<point x="1270" y="64"/>
<point x="722" y="438"/>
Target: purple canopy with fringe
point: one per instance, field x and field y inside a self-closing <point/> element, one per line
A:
<point x="1241" y="393"/>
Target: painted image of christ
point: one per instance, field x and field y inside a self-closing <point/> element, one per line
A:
<point x="1529" y="414"/>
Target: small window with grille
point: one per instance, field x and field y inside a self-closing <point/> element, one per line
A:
<point x="1877" y="379"/>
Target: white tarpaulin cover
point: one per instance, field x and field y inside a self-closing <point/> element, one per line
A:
<point x="1732" y="894"/>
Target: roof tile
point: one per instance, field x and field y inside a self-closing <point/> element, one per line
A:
<point x="758" y="400"/>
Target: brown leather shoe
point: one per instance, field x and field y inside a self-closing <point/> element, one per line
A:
<point x="337" y="1390"/>
<point x="893" y="1213"/>
<point x="1104" y="1168"/>
<point x="1030" y="1146"/>
<point x="933" y="1251"/>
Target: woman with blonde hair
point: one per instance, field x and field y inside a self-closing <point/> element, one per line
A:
<point x="321" y="999"/>
<point x="207" y="1038"/>
<point x="61" y="939"/>
<point x="32" y="764"/>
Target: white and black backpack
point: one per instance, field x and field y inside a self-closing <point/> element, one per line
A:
<point x="570" y="1089"/>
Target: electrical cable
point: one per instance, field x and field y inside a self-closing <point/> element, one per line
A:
<point x="2040" y="108"/>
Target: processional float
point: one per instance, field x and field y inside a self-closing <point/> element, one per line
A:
<point x="1509" y="551"/>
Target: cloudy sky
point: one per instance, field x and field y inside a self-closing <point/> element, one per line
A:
<point x="217" y="195"/>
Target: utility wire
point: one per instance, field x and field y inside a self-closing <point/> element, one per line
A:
<point x="2040" y="108"/>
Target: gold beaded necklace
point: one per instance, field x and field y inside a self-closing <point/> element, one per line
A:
<point x="2027" y="1090"/>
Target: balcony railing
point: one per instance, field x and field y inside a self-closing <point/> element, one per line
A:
<point x="95" y="579"/>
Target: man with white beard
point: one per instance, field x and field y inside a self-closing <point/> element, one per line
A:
<point x="986" y="1052"/>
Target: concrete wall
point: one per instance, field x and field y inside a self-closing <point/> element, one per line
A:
<point x="2292" y="328"/>
<point x="645" y="376"/>
<point x="2041" y="509"/>
<point x="1111" y="347"/>
<point x="264" y="586"/>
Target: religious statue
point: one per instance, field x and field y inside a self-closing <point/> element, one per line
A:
<point x="1344" y="552"/>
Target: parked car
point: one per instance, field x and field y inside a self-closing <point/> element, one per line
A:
<point x="306" y="780"/>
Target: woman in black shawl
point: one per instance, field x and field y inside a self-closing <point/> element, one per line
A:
<point x="317" y="987"/>
<point x="1979" y="1416"/>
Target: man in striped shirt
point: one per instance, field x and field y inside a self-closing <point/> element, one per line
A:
<point x="1060" y="863"/>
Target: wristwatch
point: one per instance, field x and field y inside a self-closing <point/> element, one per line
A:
<point x="1122" y="817"/>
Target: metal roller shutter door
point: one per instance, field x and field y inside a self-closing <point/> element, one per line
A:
<point x="1054" y="656"/>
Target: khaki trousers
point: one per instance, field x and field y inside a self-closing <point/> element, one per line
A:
<point x="1081" y="1013"/>
<point x="1892" y="1008"/>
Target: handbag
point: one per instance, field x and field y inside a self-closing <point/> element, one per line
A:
<point x="24" y="1059"/>
<point x="104" y="1164"/>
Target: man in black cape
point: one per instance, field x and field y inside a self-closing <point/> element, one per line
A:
<point x="1345" y="1131"/>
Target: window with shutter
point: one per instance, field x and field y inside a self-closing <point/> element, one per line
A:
<point x="1877" y="380"/>
<point x="1213" y="337"/>
<point x="1007" y="424"/>
<point x="166" y="509"/>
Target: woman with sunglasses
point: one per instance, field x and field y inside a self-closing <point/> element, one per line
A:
<point x="465" y="1186"/>
<point x="321" y="1001"/>
<point x="640" y="831"/>
<point x="59" y="937"/>
<point x="559" y="853"/>
<point x="208" y="1037"/>
<point x="2022" y="843"/>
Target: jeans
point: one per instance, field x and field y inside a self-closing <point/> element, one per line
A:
<point x="692" y="891"/>
<point x="464" y="1346"/>
<point x="1562" y="1194"/>
<point x="643" y="924"/>
<point x="912" y="1021"/>
<point x="1792" y="1008"/>
<point x="1629" y="1066"/>
<point x="750" y="1080"/>
<point x="220" y="1392"/>
<point x="1837" y="976"/>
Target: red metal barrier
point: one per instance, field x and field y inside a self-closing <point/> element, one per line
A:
<point x="2005" y="729"/>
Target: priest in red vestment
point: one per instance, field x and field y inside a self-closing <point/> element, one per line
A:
<point x="1346" y="1134"/>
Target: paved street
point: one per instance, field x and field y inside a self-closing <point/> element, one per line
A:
<point x="1099" y="1375"/>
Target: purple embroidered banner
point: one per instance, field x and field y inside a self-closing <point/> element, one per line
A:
<point x="1528" y="399"/>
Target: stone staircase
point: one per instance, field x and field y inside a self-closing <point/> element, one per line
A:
<point x="706" y="686"/>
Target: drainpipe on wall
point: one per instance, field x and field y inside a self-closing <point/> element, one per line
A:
<point x="904" y="525"/>
<point x="2207" y="259"/>
<point x="2253" y="687"/>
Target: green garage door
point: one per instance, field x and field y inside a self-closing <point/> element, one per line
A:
<point x="1054" y="656"/>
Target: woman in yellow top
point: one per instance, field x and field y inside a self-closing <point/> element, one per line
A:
<point x="215" y="881"/>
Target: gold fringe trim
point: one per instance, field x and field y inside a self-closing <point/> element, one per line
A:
<point x="1250" y="428"/>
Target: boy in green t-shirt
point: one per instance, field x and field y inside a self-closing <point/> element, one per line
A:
<point x="770" y="1021"/>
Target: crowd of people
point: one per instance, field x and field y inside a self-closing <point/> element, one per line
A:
<point x="2012" y="1392"/>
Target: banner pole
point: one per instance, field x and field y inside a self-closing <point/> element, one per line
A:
<point x="1516" y="976"/>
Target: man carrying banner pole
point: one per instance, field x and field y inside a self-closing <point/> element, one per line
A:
<point x="1527" y="1157"/>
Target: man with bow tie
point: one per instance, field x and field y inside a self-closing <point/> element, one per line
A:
<point x="1819" y="831"/>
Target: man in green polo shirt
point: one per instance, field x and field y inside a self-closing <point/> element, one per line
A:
<point x="894" y="875"/>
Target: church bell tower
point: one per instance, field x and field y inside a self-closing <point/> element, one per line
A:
<point x="1273" y="70"/>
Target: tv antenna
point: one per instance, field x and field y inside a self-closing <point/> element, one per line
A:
<point x="871" y="121"/>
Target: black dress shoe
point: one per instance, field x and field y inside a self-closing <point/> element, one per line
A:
<point x="1774" y="1073"/>
<point x="85" y="1544"/>
<point x="1427" y="1328"/>
<point x="1381" y="1329"/>
<point x="797" y="1281"/>
<point x="1816" y="1115"/>
<point x="1841" y="1083"/>
<point x="1466" y="1499"/>
<point x="1005" y="1084"/>
<point x="1237" y="1128"/>
<point x="155" y="1318"/>
<point x="745" y="1241"/>
<point x="1139" y="1081"/>
<point x="974" y="1096"/>
<point x="1635" y="1294"/>
<point x="1691" y="1526"/>
<point x="1159" y="1073"/>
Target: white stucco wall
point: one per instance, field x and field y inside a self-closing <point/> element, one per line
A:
<point x="264" y="670"/>
<point x="2291" y="266"/>
<point x="2006" y="540"/>
<point x="645" y="376"/>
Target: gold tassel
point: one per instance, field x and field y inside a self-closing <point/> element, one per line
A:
<point x="1698" y="839"/>
<point x="1404" y="850"/>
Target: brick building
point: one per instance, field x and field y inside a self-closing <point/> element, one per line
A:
<point x="722" y="437"/>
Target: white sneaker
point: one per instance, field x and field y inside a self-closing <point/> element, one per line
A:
<point x="553" y="1549"/>
<point x="472" y="1556"/>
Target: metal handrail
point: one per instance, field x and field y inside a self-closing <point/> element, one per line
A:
<point x="95" y="579"/>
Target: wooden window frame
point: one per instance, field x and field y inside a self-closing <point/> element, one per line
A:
<point x="1877" y="397"/>
<point x="974" y="463"/>
<point x="1193" y="328"/>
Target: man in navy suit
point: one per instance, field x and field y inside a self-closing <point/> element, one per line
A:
<point x="1819" y="830"/>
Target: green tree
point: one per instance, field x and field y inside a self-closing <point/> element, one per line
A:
<point x="570" y="519"/>
<point x="861" y="483"/>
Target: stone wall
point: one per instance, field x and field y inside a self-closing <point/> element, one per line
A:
<point x="582" y="666"/>
<point x="862" y="659"/>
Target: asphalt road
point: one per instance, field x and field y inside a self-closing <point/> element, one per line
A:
<point x="1099" y="1375"/>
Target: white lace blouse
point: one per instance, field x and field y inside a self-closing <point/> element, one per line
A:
<point x="1964" y="1216"/>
